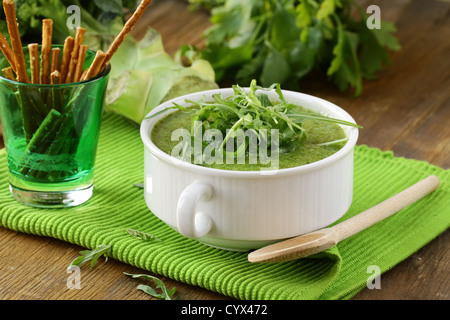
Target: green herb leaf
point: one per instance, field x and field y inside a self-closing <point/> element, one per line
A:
<point x="275" y="68"/>
<point x="165" y="293"/>
<point x="92" y="255"/>
<point x="304" y="13"/>
<point x="345" y="68"/>
<point x="327" y="7"/>
<point x="144" y="236"/>
<point x="175" y="106"/>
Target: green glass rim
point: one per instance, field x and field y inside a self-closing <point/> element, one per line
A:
<point x="98" y="77"/>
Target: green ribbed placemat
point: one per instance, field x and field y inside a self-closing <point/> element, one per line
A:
<point x="338" y="273"/>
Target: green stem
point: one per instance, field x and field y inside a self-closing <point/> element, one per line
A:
<point x="31" y="119"/>
<point x="230" y="132"/>
<point x="38" y="102"/>
<point x="62" y="145"/>
<point x="40" y="140"/>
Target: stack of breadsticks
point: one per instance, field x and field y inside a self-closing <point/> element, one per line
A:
<point x="53" y="117"/>
<point x="50" y="68"/>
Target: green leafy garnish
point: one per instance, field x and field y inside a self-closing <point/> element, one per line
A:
<point x="92" y="255"/>
<point x="250" y="111"/>
<point x="165" y="293"/>
<point x="284" y="40"/>
<point x="144" y="236"/>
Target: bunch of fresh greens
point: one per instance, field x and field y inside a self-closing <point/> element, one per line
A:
<point x="143" y="75"/>
<point x="251" y="110"/>
<point x="284" y="40"/>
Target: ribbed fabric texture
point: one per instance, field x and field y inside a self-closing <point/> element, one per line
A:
<point x="338" y="273"/>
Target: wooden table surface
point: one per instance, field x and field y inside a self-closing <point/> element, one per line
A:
<point x="406" y="110"/>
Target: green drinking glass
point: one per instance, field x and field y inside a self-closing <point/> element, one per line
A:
<point x="51" y="135"/>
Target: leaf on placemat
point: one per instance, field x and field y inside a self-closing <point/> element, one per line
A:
<point x="92" y="255"/>
<point x="165" y="293"/>
<point x="144" y="236"/>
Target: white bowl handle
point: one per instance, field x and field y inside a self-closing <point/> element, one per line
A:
<point x="190" y="223"/>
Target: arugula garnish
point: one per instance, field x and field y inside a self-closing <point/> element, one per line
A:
<point x="92" y="255"/>
<point x="282" y="41"/>
<point x="144" y="236"/>
<point x="250" y="111"/>
<point x="104" y="250"/>
<point x="165" y="293"/>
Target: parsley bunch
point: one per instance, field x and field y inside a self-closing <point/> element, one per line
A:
<point x="284" y="40"/>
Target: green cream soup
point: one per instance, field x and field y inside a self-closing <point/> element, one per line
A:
<point x="322" y="140"/>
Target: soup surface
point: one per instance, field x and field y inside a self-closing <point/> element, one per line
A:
<point x="322" y="140"/>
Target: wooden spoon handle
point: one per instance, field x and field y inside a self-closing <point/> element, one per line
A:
<point x="323" y="239"/>
<point x="386" y="208"/>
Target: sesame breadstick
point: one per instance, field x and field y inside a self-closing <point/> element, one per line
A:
<point x="55" y="60"/>
<point x="80" y="63"/>
<point x="65" y="60"/>
<point x="55" y="77"/>
<point x="94" y="69"/>
<point x="6" y="49"/>
<point x="47" y="31"/>
<point x="84" y="74"/>
<point x="129" y="25"/>
<point x="16" y="42"/>
<point x="8" y="73"/>
<point x="74" y="57"/>
<point x="33" y="49"/>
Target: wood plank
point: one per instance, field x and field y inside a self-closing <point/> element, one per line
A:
<point x="176" y="23"/>
<point x="34" y="267"/>
<point x="420" y="277"/>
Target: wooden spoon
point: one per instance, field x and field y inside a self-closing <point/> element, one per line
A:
<point x="323" y="239"/>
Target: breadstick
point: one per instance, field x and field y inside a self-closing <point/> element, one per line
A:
<point x="80" y="64"/>
<point x="47" y="31"/>
<point x="129" y="25"/>
<point x="55" y="77"/>
<point x="74" y="57"/>
<point x="8" y="73"/>
<point x="33" y="49"/>
<point x="55" y="60"/>
<point x="94" y="69"/>
<point x="16" y="42"/>
<point x="6" y="49"/>
<point x="65" y="60"/>
<point x="83" y="75"/>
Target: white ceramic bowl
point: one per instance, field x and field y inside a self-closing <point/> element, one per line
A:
<point x="244" y="210"/>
